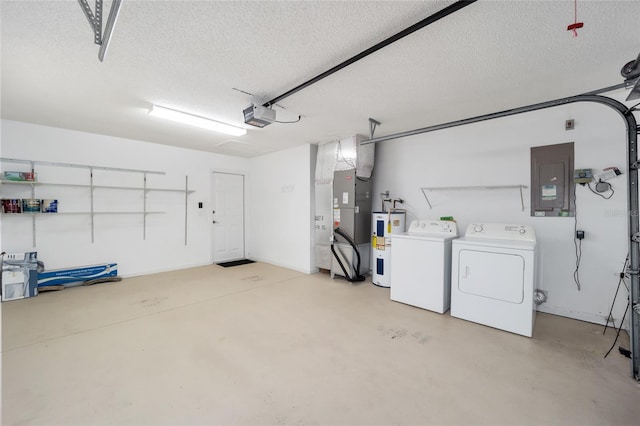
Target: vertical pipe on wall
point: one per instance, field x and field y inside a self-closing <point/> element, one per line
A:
<point x="91" y="198"/>
<point x="144" y="206"/>
<point x="33" y="216"/>
<point x="186" y="203"/>
<point x="634" y="244"/>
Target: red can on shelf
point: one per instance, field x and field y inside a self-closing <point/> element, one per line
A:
<point x="11" y="206"/>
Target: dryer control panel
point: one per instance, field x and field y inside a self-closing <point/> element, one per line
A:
<point x="433" y="227"/>
<point x="500" y="231"/>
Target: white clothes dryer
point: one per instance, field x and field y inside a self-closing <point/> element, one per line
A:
<point x="493" y="277"/>
<point x="421" y="264"/>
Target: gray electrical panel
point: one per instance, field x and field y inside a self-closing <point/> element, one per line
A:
<point x="352" y="206"/>
<point x="552" y="180"/>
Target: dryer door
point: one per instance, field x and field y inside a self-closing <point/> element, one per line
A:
<point x="492" y="274"/>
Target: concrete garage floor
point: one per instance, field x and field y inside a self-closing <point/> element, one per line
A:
<point x="259" y="345"/>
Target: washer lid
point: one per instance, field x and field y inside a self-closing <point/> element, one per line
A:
<point x="423" y="237"/>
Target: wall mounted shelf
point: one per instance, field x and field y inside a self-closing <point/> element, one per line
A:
<point x="80" y="185"/>
<point x="468" y="188"/>
<point x="76" y="213"/>
<point x="93" y="187"/>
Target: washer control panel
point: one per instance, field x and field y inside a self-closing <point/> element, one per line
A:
<point x="433" y="227"/>
<point x="500" y="231"/>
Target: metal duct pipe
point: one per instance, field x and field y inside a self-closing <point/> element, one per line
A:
<point x="632" y="196"/>
<point x="413" y="28"/>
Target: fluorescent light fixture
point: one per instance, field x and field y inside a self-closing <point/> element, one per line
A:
<point x="194" y="120"/>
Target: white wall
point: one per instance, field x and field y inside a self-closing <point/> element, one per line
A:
<point x="497" y="152"/>
<point x="64" y="241"/>
<point x="280" y="206"/>
<point x="279" y="196"/>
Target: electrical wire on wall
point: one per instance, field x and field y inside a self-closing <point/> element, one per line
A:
<point x="615" y="297"/>
<point x="576" y="242"/>
<point x="289" y="122"/>
<point x="579" y="235"/>
<point x="608" y="188"/>
<point x="623" y="277"/>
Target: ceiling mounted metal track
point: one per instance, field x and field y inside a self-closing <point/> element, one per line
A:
<point x="632" y="195"/>
<point x="413" y="28"/>
<point x="584" y="97"/>
<point x="95" y="22"/>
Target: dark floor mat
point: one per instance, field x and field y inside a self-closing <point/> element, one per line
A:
<point x="235" y="263"/>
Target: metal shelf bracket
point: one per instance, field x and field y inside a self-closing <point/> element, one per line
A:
<point x="145" y="189"/>
<point x="457" y="188"/>
<point x="95" y="22"/>
<point x="372" y="127"/>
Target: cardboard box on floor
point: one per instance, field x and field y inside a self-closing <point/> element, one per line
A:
<point x="19" y="277"/>
<point x="73" y="276"/>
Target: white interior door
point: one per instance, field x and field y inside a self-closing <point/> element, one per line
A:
<point x="228" y="217"/>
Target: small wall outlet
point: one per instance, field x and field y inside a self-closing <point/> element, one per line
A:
<point x="200" y="205"/>
<point x="569" y="124"/>
<point x="580" y="235"/>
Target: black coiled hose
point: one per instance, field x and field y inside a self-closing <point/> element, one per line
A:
<point x="358" y="276"/>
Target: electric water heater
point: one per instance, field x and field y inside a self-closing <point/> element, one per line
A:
<point x="384" y="224"/>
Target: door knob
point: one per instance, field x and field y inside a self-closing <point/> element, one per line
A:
<point x="214" y="221"/>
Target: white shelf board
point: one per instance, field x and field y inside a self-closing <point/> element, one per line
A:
<point x="458" y="188"/>
<point x="76" y="213"/>
<point x="79" y="185"/>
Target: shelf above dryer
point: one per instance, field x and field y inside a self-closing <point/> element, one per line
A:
<point x="424" y="190"/>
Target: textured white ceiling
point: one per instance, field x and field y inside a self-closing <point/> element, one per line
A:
<point x="189" y="55"/>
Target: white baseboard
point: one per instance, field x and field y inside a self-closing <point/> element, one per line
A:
<point x="577" y="315"/>
<point x="282" y="265"/>
<point x="196" y="265"/>
<point x="157" y="271"/>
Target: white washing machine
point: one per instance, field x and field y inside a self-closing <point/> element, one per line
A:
<point x="421" y="264"/>
<point x="493" y="277"/>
